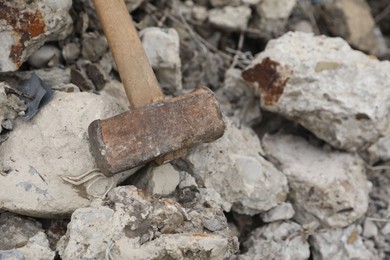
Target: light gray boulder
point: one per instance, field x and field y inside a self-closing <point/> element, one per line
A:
<point x="326" y="187"/>
<point x="341" y="95"/>
<point x="234" y="168"/>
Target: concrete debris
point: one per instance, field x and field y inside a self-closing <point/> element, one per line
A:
<point x="17" y="230"/>
<point x="71" y="51"/>
<point x="339" y="244"/>
<point x="279" y="240"/>
<point x="234" y="168"/>
<point x="351" y="20"/>
<point x="327" y="187"/>
<point x="272" y="16"/>
<point x="283" y="211"/>
<point x="28" y="25"/>
<point x="129" y="225"/>
<point x="37" y="247"/>
<point x="339" y="94"/>
<point x="51" y="146"/>
<point x="370" y="229"/>
<point x="230" y="18"/>
<point x="10" y="107"/>
<point x="161" y="180"/>
<point x="162" y="49"/>
<point x="46" y="56"/>
<point x="93" y="46"/>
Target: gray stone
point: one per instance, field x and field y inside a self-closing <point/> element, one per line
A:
<point x="139" y="227"/>
<point x="339" y="94"/>
<point x="46" y="152"/>
<point x="339" y="244"/>
<point x="28" y="25"/>
<point x="230" y="18"/>
<point x="133" y="4"/>
<point x="17" y="230"/>
<point x="93" y="46"/>
<point x="161" y="180"/>
<point x="386" y="229"/>
<point x="200" y="13"/>
<point x="162" y="49"/>
<point x="219" y="3"/>
<point x="283" y="211"/>
<point x="369" y="229"/>
<point x="234" y="168"/>
<point x="71" y="51"/>
<point x="10" y="106"/>
<point x="352" y="20"/>
<point x="279" y="240"/>
<point x="54" y="76"/>
<point x="327" y="187"/>
<point x="36" y="248"/>
<point x="186" y="180"/>
<point x="46" y="56"/>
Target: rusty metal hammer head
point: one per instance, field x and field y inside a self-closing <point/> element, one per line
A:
<point x="142" y="135"/>
<point x="155" y="129"/>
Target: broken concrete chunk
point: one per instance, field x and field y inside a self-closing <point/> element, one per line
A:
<point x="161" y="180"/>
<point x="16" y="230"/>
<point x="230" y="18"/>
<point x="137" y="227"/>
<point x="27" y="26"/>
<point x="326" y="187"/>
<point x="52" y="146"/>
<point x="162" y="49"/>
<point x="234" y="168"/>
<point x="36" y="248"/>
<point x="350" y="19"/>
<point x="339" y="94"/>
<point x="283" y="211"/>
<point x="339" y="244"/>
<point x="94" y="46"/>
<point x="279" y="240"/>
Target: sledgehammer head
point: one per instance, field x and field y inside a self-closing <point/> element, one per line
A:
<point x="151" y="132"/>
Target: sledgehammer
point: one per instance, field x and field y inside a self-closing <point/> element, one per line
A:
<point x="155" y="129"/>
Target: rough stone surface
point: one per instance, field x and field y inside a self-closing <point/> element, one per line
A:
<point x="37" y="247"/>
<point x="162" y="49"/>
<point x="351" y="20"/>
<point x="272" y="17"/>
<point x="279" y="240"/>
<point x="283" y="211"/>
<point x="129" y="225"/>
<point x="46" y="56"/>
<point x="10" y="106"/>
<point x="54" y="144"/>
<point x="15" y="231"/>
<point x="37" y="22"/>
<point x="161" y="180"/>
<point x="230" y="18"/>
<point x="326" y="187"/>
<point x="94" y="46"/>
<point x="339" y="244"/>
<point x="234" y="168"/>
<point x="339" y="94"/>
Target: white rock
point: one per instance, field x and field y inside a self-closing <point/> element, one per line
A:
<point x="230" y="18"/>
<point x="138" y="227"/>
<point x="27" y="26"/>
<point x="200" y="13"/>
<point x="369" y="229"/>
<point x="386" y="229"/>
<point x="162" y="48"/>
<point x="47" y="55"/>
<point x="279" y="240"/>
<point x="234" y="168"/>
<point x="270" y="9"/>
<point x="51" y="146"/>
<point x="341" y="95"/>
<point x="339" y="244"/>
<point x="161" y="180"/>
<point x="186" y="180"/>
<point x="326" y="187"/>
<point x="216" y="3"/>
<point x="36" y="248"/>
<point x="283" y="211"/>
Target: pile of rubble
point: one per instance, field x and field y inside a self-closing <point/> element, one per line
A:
<point x="301" y="172"/>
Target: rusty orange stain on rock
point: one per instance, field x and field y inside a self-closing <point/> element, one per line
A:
<point x="26" y="24"/>
<point x="271" y="78"/>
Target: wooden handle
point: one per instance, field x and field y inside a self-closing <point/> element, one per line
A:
<point x="135" y="71"/>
